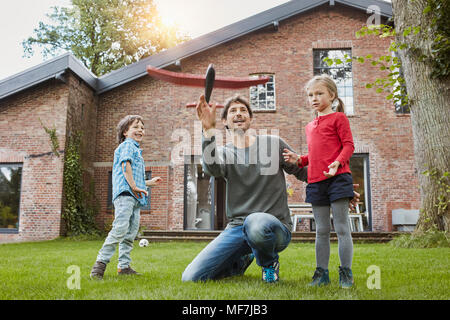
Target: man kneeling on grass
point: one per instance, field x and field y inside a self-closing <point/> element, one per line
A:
<point x="257" y="208"/>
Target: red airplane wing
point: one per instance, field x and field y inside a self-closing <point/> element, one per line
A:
<point x="192" y="80"/>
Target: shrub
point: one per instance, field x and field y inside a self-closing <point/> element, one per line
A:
<point x="431" y="238"/>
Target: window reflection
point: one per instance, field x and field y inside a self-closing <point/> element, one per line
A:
<point x="198" y="198"/>
<point x="360" y="174"/>
<point x="10" y="180"/>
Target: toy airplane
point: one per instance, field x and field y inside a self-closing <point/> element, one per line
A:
<point x="209" y="80"/>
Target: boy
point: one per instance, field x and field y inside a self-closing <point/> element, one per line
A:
<point x="129" y="195"/>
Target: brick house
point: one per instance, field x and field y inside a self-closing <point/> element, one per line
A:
<point x="286" y="42"/>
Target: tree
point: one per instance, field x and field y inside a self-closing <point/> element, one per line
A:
<point x="104" y="34"/>
<point x="425" y="61"/>
<point x="418" y="66"/>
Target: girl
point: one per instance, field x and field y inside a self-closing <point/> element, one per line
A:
<point x="330" y="183"/>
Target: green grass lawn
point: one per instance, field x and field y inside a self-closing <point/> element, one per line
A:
<point x="39" y="271"/>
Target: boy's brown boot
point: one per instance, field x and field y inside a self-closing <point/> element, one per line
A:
<point x="98" y="270"/>
<point x="128" y="271"/>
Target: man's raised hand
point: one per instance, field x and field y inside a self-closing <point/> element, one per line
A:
<point x="206" y="113"/>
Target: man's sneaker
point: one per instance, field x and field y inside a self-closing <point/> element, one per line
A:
<point x="345" y="277"/>
<point x="271" y="273"/>
<point x="127" y="271"/>
<point x="98" y="270"/>
<point x="320" y="278"/>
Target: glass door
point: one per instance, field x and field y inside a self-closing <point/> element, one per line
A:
<point x="199" y="195"/>
<point x="359" y="165"/>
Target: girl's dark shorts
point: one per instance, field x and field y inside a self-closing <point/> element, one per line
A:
<point x="324" y="192"/>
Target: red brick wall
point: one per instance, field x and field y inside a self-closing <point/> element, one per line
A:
<point x="68" y="107"/>
<point x="21" y="137"/>
<point x="288" y="54"/>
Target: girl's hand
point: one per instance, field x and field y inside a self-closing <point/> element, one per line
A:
<point x="153" y="182"/>
<point x="333" y="169"/>
<point x="290" y="157"/>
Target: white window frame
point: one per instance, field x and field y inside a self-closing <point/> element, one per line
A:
<point x="260" y="89"/>
<point x="349" y="108"/>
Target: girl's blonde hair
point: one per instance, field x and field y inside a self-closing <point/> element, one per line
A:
<point x="329" y="83"/>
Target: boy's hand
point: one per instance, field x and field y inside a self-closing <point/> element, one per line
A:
<point x="206" y="114"/>
<point x="290" y="157"/>
<point x="153" y="182"/>
<point x="138" y="192"/>
<point x="333" y="169"/>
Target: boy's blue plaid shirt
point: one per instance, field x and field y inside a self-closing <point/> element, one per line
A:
<point x="128" y="151"/>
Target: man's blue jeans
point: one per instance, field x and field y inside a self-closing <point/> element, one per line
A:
<point x="262" y="233"/>
<point x="124" y="230"/>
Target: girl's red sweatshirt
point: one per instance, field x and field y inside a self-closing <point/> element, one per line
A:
<point x="329" y="138"/>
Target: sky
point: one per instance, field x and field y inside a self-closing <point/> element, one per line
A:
<point x="18" y="19"/>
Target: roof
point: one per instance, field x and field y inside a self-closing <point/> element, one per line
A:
<point x="53" y="68"/>
<point x="56" y="66"/>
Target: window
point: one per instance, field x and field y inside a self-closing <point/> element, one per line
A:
<point x="148" y="176"/>
<point x="341" y="73"/>
<point x="10" y="181"/>
<point x="401" y="108"/>
<point x="262" y="97"/>
<point x="400" y="89"/>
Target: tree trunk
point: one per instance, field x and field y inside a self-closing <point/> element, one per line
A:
<point x="429" y="100"/>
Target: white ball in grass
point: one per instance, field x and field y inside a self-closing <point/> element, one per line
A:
<point x="143" y="243"/>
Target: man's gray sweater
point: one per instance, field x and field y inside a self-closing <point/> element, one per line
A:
<point x="254" y="177"/>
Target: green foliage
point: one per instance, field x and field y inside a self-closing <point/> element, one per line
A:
<point x="382" y="31"/>
<point x="431" y="238"/>
<point x="104" y="34"/>
<point x="79" y="211"/>
<point x="438" y="58"/>
<point x="442" y="180"/>
<point x="439" y="10"/>
<point x="394" y="83"/>
<point x="53" y="139"/>
<point x="438" y="32"/>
